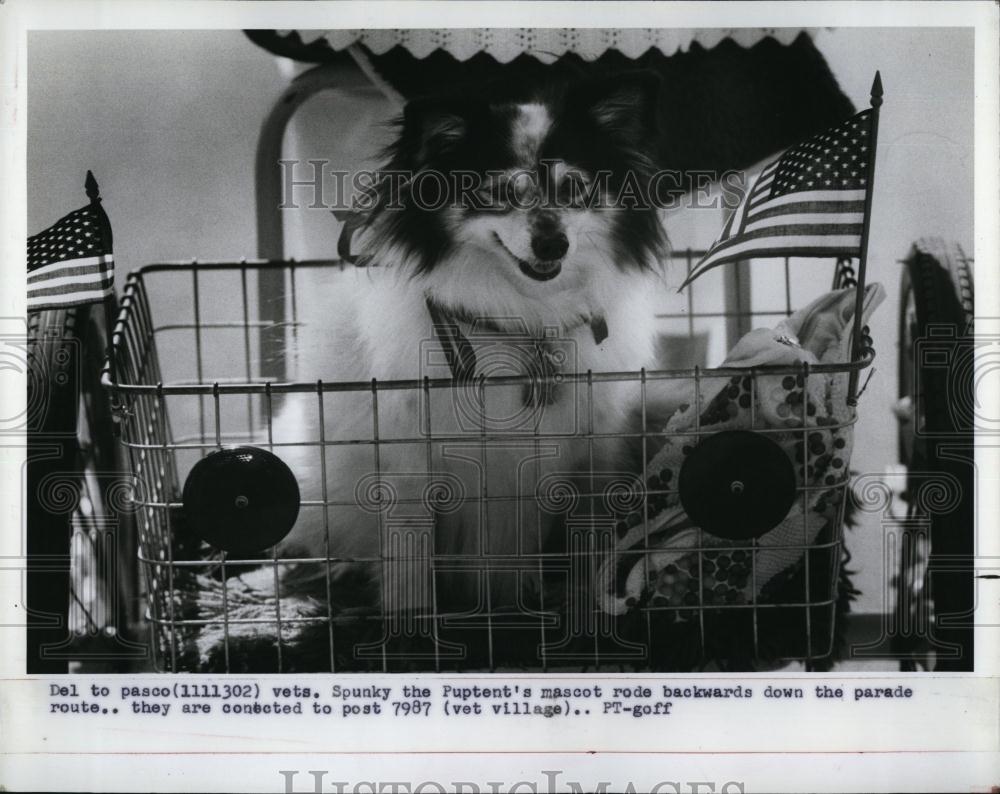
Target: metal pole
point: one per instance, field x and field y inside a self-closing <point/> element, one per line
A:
<point x="856" y="348"/>
<point x="345" y="76"/>
<point x="107" y="244"/>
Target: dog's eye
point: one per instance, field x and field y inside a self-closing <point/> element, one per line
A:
<point x="572" y="190"/>
<point x="492" y="196"/>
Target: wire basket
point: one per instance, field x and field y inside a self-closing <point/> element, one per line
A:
<point x="188" y="378"/>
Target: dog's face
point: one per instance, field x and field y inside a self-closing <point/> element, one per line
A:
<point x="530" y="196"/>
<point x="533" y="215"/>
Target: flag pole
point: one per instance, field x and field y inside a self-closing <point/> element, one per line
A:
<point x="857" y="347"/>
<point x="94" y="194"/>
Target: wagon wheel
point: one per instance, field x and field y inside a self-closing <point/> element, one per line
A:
<point x="937" y="290"/>
<point x="78" y="501"/>
<point x="937" y="303"/>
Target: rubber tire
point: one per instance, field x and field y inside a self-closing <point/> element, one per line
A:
<point x="937" y="292"/>
<point x="940" y="282"/>
<point x="67" y="353"/>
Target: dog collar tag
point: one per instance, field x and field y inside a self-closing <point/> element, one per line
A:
<point x="599" y="328"/>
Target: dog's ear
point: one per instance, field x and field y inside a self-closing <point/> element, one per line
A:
<point x="435" y="126"/>
<point x="624" y="104"/>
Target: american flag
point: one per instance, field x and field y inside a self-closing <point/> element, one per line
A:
<point x="808" y="202"/>
<point x="71" y="262"/>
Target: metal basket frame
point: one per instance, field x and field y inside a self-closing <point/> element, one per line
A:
<point x="133" y="375"/>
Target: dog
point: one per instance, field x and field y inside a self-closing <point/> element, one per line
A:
<point x="500" y="241"/>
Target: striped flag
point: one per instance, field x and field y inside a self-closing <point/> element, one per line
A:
<point x="808" y="202"/>
<point x="71" y="262"/>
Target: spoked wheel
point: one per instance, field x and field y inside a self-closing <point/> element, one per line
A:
<point x="935" y="386"/>
<point x="80" y="589"/>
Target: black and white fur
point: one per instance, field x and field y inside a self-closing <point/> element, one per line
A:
<point x="567" y="268"/>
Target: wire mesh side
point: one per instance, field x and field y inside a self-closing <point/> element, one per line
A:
<point x="538" y="620"/>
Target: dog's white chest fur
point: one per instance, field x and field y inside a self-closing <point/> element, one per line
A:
<point x="481" y="449"/>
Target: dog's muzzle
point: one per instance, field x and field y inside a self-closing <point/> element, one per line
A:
<point x="539" y="270"/>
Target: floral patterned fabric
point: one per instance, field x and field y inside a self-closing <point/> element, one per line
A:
<point x="666" y="556"/>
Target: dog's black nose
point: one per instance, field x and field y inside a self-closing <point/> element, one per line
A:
<point x="550" y="246"/>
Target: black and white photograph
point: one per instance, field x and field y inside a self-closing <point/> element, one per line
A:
<point x="525" y="362"/>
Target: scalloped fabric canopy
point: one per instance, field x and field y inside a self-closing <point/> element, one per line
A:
<point x="545" y="44"/>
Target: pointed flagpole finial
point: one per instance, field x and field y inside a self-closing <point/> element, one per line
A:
<point x="90" y="184"/>
<point x="876" y="98"/>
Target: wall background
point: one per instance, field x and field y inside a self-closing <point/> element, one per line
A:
<point x="168" y="122"/>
